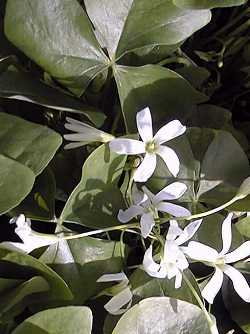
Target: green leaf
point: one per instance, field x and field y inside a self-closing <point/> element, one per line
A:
<point x="15" y="265"/>
<point x="61" y="320"/>
<point x="13" y="302"/>
<point x="40" y="203"/>
<point x="145" y="286"/>
<point x="154" y="86"/>
<point x="16" y="182"/>
<point x="58" y="36"/>
<point x="142" y="24"/>
<point x="243" y="226"/>
<point x="208" y="182"/>
<point x="28" y="143"/>
<point x="202" y="4"/>
<point x="163" y="315"/>
<point x="96" y="199"/>
<point x="22" y="86"/>
<point x="81" y="262"/>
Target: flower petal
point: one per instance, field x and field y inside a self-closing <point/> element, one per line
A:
<point x="113" y="277"/>
<point x="169" y="131"/>
<point x="127" y="215"/>
<point x="147" y="223"/>
<point x="149" y="265"/>
<point x="144" y="124"/>
<point x="213" y="286"/>
<point x="127" y="146"/>
<point x="146" y="168"/>
<point x="239" y="253"/>
<point x="200" y="252"/>
<point x="239" y="282"/>
<point x="114" y="306"/>
<point x="173" y="231"/>
<point x="170" y="158"/>
<point x="81" y="137"/>
<point x="173" y="209"/>
<point x="188" y="232"/>
<point x="149" y="195"/>
<point x="178" y="280"/>
<point x="138" y="196"/>
<point x="226" y="234"/>
<point x="77" y="126"/>
<point x="173" y="191"/>
<point x="75" y="145"/>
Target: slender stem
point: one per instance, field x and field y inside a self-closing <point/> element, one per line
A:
<point x="210" y="212"/>
<point x="199" y="300"/>
<point x="108" y="229"/>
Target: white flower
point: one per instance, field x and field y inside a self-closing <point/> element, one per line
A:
<point x="219" y="261"/>
<point x="85" y="134"/>
<point x="174" y="261"/>
<point x="31" y="239"/>
<point x="147" y="206"/>
<point x="122" y="293"/>
<point x="150" y="145"/>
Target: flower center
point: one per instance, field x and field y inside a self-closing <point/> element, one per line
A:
<point x="151" y="146"/>
<point x="220" y="262"/>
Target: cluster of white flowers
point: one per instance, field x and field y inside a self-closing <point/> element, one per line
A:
<point x="178" y="250"/>
<point x="146" y="205"/>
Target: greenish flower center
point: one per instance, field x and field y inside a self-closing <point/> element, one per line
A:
<point x="220" y="262"/>
<point x="151" y="146"/>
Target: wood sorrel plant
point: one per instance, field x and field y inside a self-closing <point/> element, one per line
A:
<point x="139" y="222"/>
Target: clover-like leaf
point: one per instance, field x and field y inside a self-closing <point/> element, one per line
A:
<point x="81" y="262"/>
<point x="163" y="315"/>
<point x="25" y="150"/>
<point x="61" y="320"/>
<point x="58" y="36"/>
<point x="96" y="200"/>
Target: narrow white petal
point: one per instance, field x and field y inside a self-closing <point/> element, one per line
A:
<point x="75" y="145"/>
<point x="144" y="124"/>
<point x="127" y="215"/>
<point x="188" y="232"/>
<point x="149" y="265"/>
<point x="146" y="168"/>
<point x="173" y="191"/>
<point x="21" y="221"/>
<point x="170" y="158"/>
<point x="173" y="209"/>
<point x="113" y="277"/>
<point x="80" y="137"/>
<point x="169" y="131"/>
<point x="114" y="306"/>
<point x="239" y="282"/>
<point x="200" y="252"/>
<point x="182" y="262"/>
<point x="239" y="253"/>
<point x="213" y="286"/>
<point x="226" y="234"/>
<point x="127" y="146"/>
<point x="81" y="128"/>
<point x="148" y="193"/>
<point x="178" y="280"/>
<point x="147" y="223"/>
<point x="173" y="231"/>
<point x="138" y="196"/>
<point x="75" y="121"/>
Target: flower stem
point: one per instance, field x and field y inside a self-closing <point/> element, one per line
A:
<point x="201" y="304"/>
<point x="108" y="229"/>
<point x="210" y="212"/>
